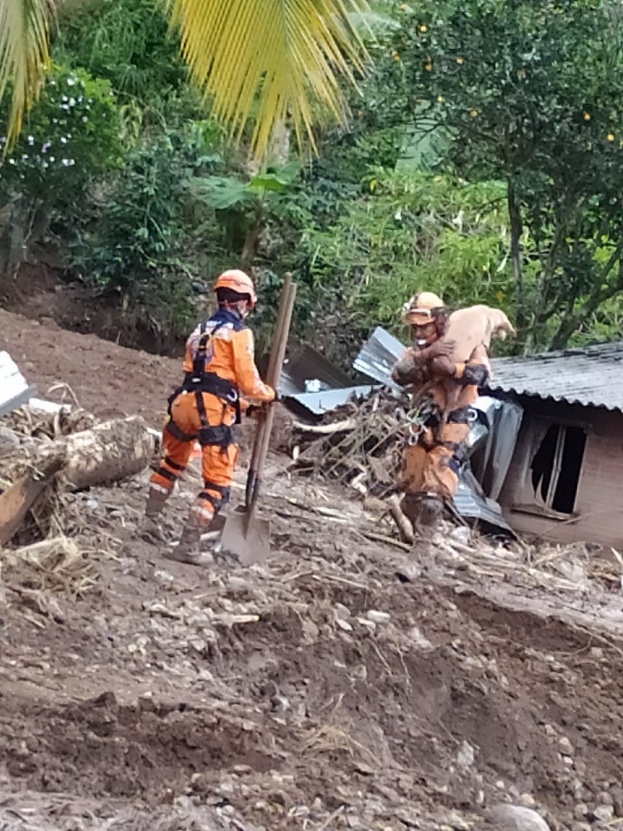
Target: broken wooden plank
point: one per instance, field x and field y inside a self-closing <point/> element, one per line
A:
<point x="17" y="500"/>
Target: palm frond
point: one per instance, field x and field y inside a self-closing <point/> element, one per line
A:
<point x="274" y="59"/>
<point x="24" y="55"/>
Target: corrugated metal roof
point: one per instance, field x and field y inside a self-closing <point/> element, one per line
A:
<point x="590" y="376"/>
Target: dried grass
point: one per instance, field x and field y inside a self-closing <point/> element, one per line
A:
<point x="57" y="562"/>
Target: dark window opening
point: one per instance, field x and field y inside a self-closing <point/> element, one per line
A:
<point x="556" y="467"/>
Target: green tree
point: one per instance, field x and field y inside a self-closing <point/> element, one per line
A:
<point x="70" y="140"/>
<point x="275" y="61"/>
<point x="531" y="92"/>
<point x="413" y="230"/>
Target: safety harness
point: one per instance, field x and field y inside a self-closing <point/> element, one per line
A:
<point x="200" y="381"/>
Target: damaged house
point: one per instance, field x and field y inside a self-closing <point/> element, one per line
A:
<point x="546" y="444"/>
<point x="564" y="479"/>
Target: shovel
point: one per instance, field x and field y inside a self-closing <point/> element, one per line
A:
<point x="246" y="535"/>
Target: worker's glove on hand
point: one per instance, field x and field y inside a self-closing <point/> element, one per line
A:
<point x="442" y="366"/>
<point x="438" y="349"/>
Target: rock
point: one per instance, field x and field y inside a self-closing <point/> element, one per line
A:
<point x="604" y="813"/>
<point x="605" y="798"/>
<point x="378" y="617"/>
<point x="526" y="800"/>
<point x="465" y="756"/>
<point x="565" y="747"/>
<point x="617" y="801"/>
<point x="9" y="437"/>
<point x="515" y="818"/>
<point x="580" y="811"/>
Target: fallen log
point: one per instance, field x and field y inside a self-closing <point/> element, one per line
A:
<point x="109" y="452"/>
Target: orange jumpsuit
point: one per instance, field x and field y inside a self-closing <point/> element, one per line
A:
<point x="220" y="367"/>
<point x="431" y="465"/>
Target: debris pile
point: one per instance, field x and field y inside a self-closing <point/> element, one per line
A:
<point x="358" y="444"/>
<point x="45" y="459"/>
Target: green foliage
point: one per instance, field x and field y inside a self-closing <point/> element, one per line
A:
<point x="128" y="43"/>
<point x="70" y="137"/>
<point x="140" y="235"/>
<point x="413" y="231"/>
<point x="532" y="93"/>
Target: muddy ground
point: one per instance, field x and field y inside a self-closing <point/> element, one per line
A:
<point x="344" y="684"/>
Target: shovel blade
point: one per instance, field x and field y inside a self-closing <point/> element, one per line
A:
<point x="250" y="545"/>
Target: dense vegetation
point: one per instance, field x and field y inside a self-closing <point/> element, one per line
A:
<point x="483" y="160"/>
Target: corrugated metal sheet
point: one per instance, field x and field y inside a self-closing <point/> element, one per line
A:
<point x="592" y="376"/>
<point x="306" y="364"/>
<point x="323" y="402"/>
<point x="378" y="355"/>
<point x="471" y="503"/>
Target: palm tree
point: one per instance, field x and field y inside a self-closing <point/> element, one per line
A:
<point x="275" y="61"/>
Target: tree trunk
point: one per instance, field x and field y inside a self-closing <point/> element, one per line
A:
<point x="516" y="229"/>
<point x="110" y="452"/>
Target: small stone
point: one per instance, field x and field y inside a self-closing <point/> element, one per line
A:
<point x="515" y="818"/>
<point x="617" y="801"/>
<point x="500" y="785"/>
<point x="565" y="747"/>
<point x="605" y="798"/>
<point x="378" y="617"/>
<point x="526" y="800"/>
<point x="604" y="813"/>
<point x="465" y="756"/>
<point x="580" y="811"/>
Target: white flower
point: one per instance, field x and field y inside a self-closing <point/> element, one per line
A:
<point x="64" y="98"/>
<point x="71" y="82"/>
<point x="52" y="159"/>
<point x="72" y="102"/>
<point x="84" y="118"/>
<point x="11" y="161"/>
<point x="63" y="140"/>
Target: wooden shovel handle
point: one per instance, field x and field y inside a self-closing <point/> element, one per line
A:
<point x="265" y="424"/>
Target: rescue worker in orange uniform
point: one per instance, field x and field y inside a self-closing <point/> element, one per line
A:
<point x="219" y="368"/>
<point x="431" y="464"/>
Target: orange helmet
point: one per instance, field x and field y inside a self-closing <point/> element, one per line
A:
<point x="422" y="308"/>
<point x="237" y="280"/>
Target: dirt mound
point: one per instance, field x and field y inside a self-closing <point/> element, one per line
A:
<point x="325" y="681"/>
<point x="106" y="379"/>
<point x="344" y="684"/>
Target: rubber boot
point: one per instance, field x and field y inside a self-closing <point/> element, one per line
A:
<point x="424" y="510"/>
<point x="188" y="550"/>
<point x="151" y="527"/>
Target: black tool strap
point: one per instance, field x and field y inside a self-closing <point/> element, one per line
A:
<point x="216" y="502"/>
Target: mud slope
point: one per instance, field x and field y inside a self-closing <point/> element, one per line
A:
<point x="106" y="379"/>
<point x="335" y="687"/>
